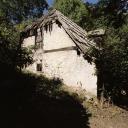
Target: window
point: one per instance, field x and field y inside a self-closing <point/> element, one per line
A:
<point x="39" y="67"/>
<point x="78" y="52"/>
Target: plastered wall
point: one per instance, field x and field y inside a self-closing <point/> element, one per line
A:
<point x="73" y="69"/>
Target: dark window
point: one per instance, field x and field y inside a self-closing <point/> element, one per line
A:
<point x="78" y="52"/>
<point x="39" y="67"/>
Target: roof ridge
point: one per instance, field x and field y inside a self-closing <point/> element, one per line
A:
<point x="75" y="32"/>
<point x="60" y="13"/>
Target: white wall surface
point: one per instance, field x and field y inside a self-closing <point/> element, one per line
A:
<point x="30" y="41"/>
<point x="66" y="65"/>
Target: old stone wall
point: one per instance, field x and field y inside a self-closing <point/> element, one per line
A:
<point x="60" y="60"/>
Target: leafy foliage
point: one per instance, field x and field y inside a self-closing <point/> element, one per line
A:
<point x="111" y="58"/>
<point x="28" y="100"/>
<point x="74" y="9"/>
<point x="19" y="10"/>
<point x="14" y="16"/>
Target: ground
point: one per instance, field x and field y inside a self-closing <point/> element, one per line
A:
<point x="110" y="117"/>
<point x="101" y="116"/>
<point x="36" y="102"/>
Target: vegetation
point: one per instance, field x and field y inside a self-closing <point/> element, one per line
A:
<point x="111" y="58"/>
<point x="28" y="100"/>
<point x="14" y="15"/>
<point x="74" y="9"/>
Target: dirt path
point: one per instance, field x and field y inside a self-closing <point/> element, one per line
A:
<point x="112" y="117"/>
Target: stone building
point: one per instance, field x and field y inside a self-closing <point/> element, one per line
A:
<point x="60" y="46"/>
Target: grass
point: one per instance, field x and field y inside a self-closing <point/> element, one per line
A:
<point x="28" y="100"/>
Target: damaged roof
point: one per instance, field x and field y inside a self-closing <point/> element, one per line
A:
<point x="75" y="32"/>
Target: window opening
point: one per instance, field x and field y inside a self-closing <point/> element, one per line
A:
<point x="39" y="67"/>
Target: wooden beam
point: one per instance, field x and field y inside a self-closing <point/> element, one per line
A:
<point x="61" y="49"/>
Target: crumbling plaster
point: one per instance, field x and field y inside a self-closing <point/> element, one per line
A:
<point x="73" y="69"/>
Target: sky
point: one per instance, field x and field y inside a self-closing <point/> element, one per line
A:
<point x="91" y="1"/>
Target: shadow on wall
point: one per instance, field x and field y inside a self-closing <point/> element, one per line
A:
<point x="29" y="101"/>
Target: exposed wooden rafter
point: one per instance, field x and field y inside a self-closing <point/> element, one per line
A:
<point x="75" y="32"/>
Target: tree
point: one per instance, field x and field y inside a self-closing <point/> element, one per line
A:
<point x="19" y="10"/>
<point x="74" y="9"/>
<point x="112" y="11"/>
<point x="111" y="59"/>
<point x="14" y="15"/>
